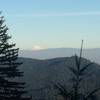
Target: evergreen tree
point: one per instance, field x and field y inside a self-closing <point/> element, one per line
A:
<point x="78" y="77"/>
<point x="10" y="87"/>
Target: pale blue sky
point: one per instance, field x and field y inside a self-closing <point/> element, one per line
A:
<point x="53" y="23"/>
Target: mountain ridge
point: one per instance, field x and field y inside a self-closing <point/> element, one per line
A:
<point x="92" y="54"/>
<point x="43" y="72"/>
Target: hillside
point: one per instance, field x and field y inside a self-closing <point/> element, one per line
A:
<point x="40" y="74"/>
<point x="92" y="54"/>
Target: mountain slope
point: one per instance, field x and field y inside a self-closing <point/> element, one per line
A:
<point x="40" y="74"/>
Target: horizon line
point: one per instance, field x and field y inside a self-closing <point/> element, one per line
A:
<point x="57" y="48"/>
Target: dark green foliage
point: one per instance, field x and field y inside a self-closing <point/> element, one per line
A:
<point x="10" y="87"/>
<point x="67" y="95"/>
<point x="79" y="74"/>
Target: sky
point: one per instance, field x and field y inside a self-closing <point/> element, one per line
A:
<point x="42" y="24"/>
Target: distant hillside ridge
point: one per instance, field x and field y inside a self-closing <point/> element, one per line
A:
<point x="92" y="54"/>
<point x="39" y="74"/>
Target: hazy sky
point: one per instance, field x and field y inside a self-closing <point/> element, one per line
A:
<point x="36" y="24"/>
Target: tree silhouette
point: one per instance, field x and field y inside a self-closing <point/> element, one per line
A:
<point x="10" y="87"/>
<point x="78" y="76"/>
